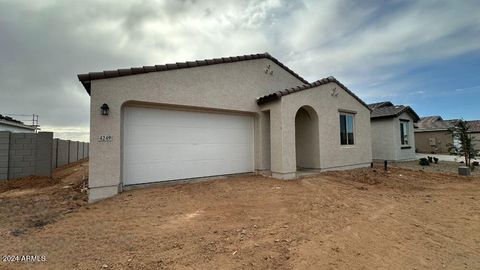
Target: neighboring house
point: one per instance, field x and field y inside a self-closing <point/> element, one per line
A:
<point x="9" y="124"/>
<point x="392" y="131"/>
<point x="219" y="116"/>
<point x="432" y="136"/>
<point x="475" y="131"/>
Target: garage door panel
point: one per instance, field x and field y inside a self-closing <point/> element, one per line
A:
<point x="185" y="152"/>
<point x="154" y="172"/>
<point x="138" y="117"/>
<point x="161" y="145"/>
<point x="173" y="134"/>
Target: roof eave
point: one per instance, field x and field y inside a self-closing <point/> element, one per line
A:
<point x="17" y="125"/>
<point x="86" y="78"/>
<point x="278" y="94"/>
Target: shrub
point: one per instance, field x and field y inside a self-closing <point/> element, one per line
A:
<point x="423" y="162"/>
<point x="430" y="159"/>
<point x="476" y="163"/>
<point x="435" y="160"/>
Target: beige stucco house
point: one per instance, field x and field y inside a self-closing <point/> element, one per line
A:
<point x="245" y="114"/>
<point x="432" y="136"/>
<point x="392" y="131"/>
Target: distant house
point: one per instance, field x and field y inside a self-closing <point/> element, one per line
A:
<point x="431" y="134"/>
<point x="15" y="126"/>
<point x="392" y="131"/>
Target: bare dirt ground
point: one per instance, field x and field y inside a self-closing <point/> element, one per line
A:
<point x="360" y="219"/>
<point x="33" y="202"/>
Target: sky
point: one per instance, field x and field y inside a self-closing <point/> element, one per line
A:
<point x="425" y="54"/>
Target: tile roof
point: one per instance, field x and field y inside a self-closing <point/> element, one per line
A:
<point x="278" y="94"/>
<point x="386" y="109"/>
<point x="474" y="125"/>
<point x="8" y="118"/>
<point x="380" y="104"/>
<point x="434" y="123"/>
<point x="86" y="78"/>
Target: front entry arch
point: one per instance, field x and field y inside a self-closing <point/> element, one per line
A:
<point x="307" y="139"/>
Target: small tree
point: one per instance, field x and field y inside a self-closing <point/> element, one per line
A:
<point x="462" y="145"/>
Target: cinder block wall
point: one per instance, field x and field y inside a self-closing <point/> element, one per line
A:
<point x="63" y="150"/>
<point x="43" y="160"/>
<point x="87" y="148"/>
<point x="30" y="154"/>
<point x="54" y="153"/>
<point x="80" y="150"/>
<point x="73" y="156"/>
<point x="4" y="150"/>
<point x="22" y="155"/>
<point x="25" y="154"/>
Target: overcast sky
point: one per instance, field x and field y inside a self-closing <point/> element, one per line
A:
<point x="421" y="53"/>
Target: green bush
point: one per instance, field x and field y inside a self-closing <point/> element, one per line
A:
<point x="424" y="162"/>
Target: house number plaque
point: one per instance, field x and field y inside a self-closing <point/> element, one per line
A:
<point x="105" y="138"/>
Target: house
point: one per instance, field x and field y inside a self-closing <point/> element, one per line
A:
<point x="222" y="116"/>
<point x="392" y="131"/>
<point x="432" y="136"/>
<point x="9" y="124"/>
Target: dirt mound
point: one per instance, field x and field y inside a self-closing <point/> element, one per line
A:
<point x="27" y="183"/>
<point x="33" y="202"/>
<point x="364" y="176"/>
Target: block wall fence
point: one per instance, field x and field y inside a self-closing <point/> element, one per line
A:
<point x="26" y="154"/>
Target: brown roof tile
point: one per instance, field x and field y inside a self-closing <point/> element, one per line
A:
<point x="474" y="125"/>
<point x="86" y="78"/>
<point x="386" y="109"/>
<point x="277" y="95"/>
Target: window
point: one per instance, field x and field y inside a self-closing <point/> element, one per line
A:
<point x="404" y="130"/>
<point x="346" y="129"/>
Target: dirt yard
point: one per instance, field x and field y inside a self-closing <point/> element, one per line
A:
<point x="442" y="167"/>
<point x="361" y="219"/>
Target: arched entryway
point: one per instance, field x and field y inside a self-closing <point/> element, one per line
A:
<point x="306" y="138"/>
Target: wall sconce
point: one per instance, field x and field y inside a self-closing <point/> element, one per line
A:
<point x="105" y="109"/>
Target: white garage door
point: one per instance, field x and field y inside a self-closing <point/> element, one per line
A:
<point x="162" y="145"/>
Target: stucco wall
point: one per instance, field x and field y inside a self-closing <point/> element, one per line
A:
<point x="476" y="140"/>
<point x="442" y="140"/>
<point x="386" y="139"/>
<point x="404" y="152"/>
<point x="383" y="139"/>
<point x="233" y="88"/>
<point x="307" y="138"/>
<point x="333" y="155"/>
<point x="228" y="86"/>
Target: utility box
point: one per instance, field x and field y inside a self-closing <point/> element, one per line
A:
<point x="464" y="170"/>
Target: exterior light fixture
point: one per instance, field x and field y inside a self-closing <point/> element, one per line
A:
<point x="105" y="109"/>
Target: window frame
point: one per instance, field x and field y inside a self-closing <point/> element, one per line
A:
<point x="404" y="123"/>
<point x="354" y="139"/>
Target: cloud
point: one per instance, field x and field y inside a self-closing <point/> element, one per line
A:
<point x="369" y="45"/>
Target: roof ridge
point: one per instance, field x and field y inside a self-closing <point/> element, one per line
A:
<point x="86" y="78"/>
<point x="278" y="94"/>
